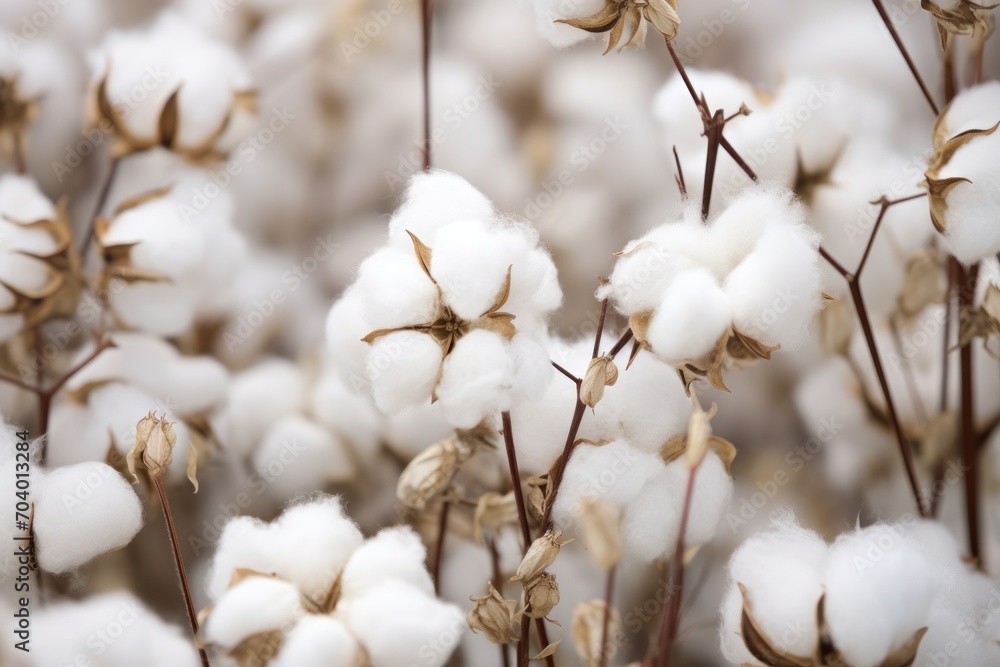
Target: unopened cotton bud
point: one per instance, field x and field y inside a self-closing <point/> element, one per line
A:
<point x="494" y="511"/>
<point x="589" y="632"/>
<point x="495" y="617"/>
<point x="601" y="373"/>
<point x="430" y="473"/>
<point x="154" y="446"/>
<point x="601" y="533"/>
<point x="541" y="554"/>
<point x="541" y="594"/>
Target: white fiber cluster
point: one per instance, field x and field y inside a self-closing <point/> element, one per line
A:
<point x="880" y="586"/>
<point x="142" y="69"/>
<point x="472" y="248"/>
<point x="972" y="205"/>
<point x="385" y="604"/>
<point x="753" y="268"/>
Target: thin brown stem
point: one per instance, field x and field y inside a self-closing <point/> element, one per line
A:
<point x="522" y="517"/>
<point x="970" y="458"/>
<point x="426" y="23"/>
<point x="885" y="204"/>
<point x="620" y="345"/>
<point x="439" y="549"/>
<point x="906" y="55"/>
<point x="714" y="136"/>
<point x="897" y="427"/>
<point x="675" y="591"/>
<point x="566" y="373"/>
<point x="600" y="329"/>
<point x="10" y="379"/>
<point x="609" y="594"/>
<point x="181" y="571"/>
<point x="681" y="185"/>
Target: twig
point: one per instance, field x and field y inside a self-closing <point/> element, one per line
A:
<point x="622" y="342"/>
<point x="675" y="591"/>
<point x="522" y="517"/>
<point x="426" y="22"/>
<point x="609" y="594"/>
<point x="714" y="136"/>
<point x="906" y="55"/>
<point x="102" y="198"/>
<point x="497" y="579"/>
<point x="681" y="185"/>
<point x="566" y="373"/>
<point x="181" y="571"/>
<point x="600" y="329"/>
<point x="966" y="295"/>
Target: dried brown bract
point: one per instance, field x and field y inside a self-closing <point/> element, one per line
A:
<point x="617" y="16"/>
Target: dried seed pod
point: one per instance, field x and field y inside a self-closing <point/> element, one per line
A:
<point x="430" y="473"/>
<point x="494" y="511"/>
<point x="541" y="594"/>
<point x="601" y="373"/>
<point x="699" y="435"/>
<point x="154" y="446"/>
<point x="495" y="617"/>
<point x="601" y="533"/>
<point x="589" y="632"/>
<point x="541" y="554"/>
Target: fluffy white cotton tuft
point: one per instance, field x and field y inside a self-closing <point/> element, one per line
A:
<point x="403" y="367"/>
<point x="393" y="553"/>
<point x="298" y="455"/>
<point x="82" y="511"/>
<point x="255" y="605"/>
<point x="318" y="641"/>
<point x="693" y="315"/>
<point x="396" y="621"/>
<point x="476" y="379"/>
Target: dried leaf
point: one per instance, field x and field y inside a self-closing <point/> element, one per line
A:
<point x="501" y="298"/>
<point x="905" y="655"/>
<point x="602" y="21"/>
<point x="169" y="120"/>
<point x="423" y="255"/>
<point x="664" y="17"/>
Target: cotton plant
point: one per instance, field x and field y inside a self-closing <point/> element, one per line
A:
<point x="625" y="21"/>
<point x="882" y="595"/>
<point x="308" y="588"/>
<point x="39" y="271"/>
<point x="451" y="309"/>
<point x="192" y="96"/>
<point x="963" y="181"/>
<point x="739" y="286"/>
<point x="79" y="512"/>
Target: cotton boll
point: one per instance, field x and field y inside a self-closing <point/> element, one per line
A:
<point x="315" y="540"/>
<point x="532" y="366"/>
<point x="476" y="379"/>
<point x="403" y="367"/>
<point x="651" y="521"/>
<point x="614" y="473"/>
<point x="712" y="489"/>
<point x="298" y="455"/>
<point x="973" y="109"/>
<point x="694" y="314"/>
<point x="345" y="327"/>
<point x="971" y="208"/>
<point x="876" y="569"/>
<point x="647" y="403"/>
<point x="642" y="273"/>
<point x="318" y="641"/>
<point x="738" y="229"/>
<point x="69" y="630"/>
<point x="433" y="200"/>
<point x="258" y="397"/>
<point x="255" y="605"/>
<point x="396" y="621"/>
<point x="393" y="553"/>
<point x="82" y="511"/>
<point x="782" y="570"/>
<point x="540" y="425"/>
<point x="775" y="290"/>
<point x="395" y="291"/>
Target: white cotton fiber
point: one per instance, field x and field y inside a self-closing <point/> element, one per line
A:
<point x="82" y="511"/>
<point x="614" y="472"/>
<point x="775" y="290"/>
<point x="298" y="455"/>
<point x="971" y="208"/>
<point x="878" y="589"/>
<point x="397" y="623"/>
<point x="255" y="605"/>
<point x="347" y="413"/>
<point x="403" y="367"/>
<point x="476" y="379"/>
<point x="395" y="291"/>
<point x="258" y="397"/>
<point x="314" y="540"/>
<point x="246" y="543"/>
<point x="694" y="313"/>
<point x="782" y="570"/>
<point x="647" y="403"/>
<point x="393" y="553"/>
<point x="433" y="200"/>
<point x="560" y="35"/>
<point x="974" y="108"/>
<point x="345" y="327"/>
<point x="470" y="267"/>
<point x="712" y="489"/>
<point x="540" y="425"/>
<point x="651" y="521"/>
<point x="318" y="641"/>
<point x="533" y="371"/>
<point x="108" y="630"/>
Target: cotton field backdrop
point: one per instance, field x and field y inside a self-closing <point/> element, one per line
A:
<point x="427" y="333"/>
